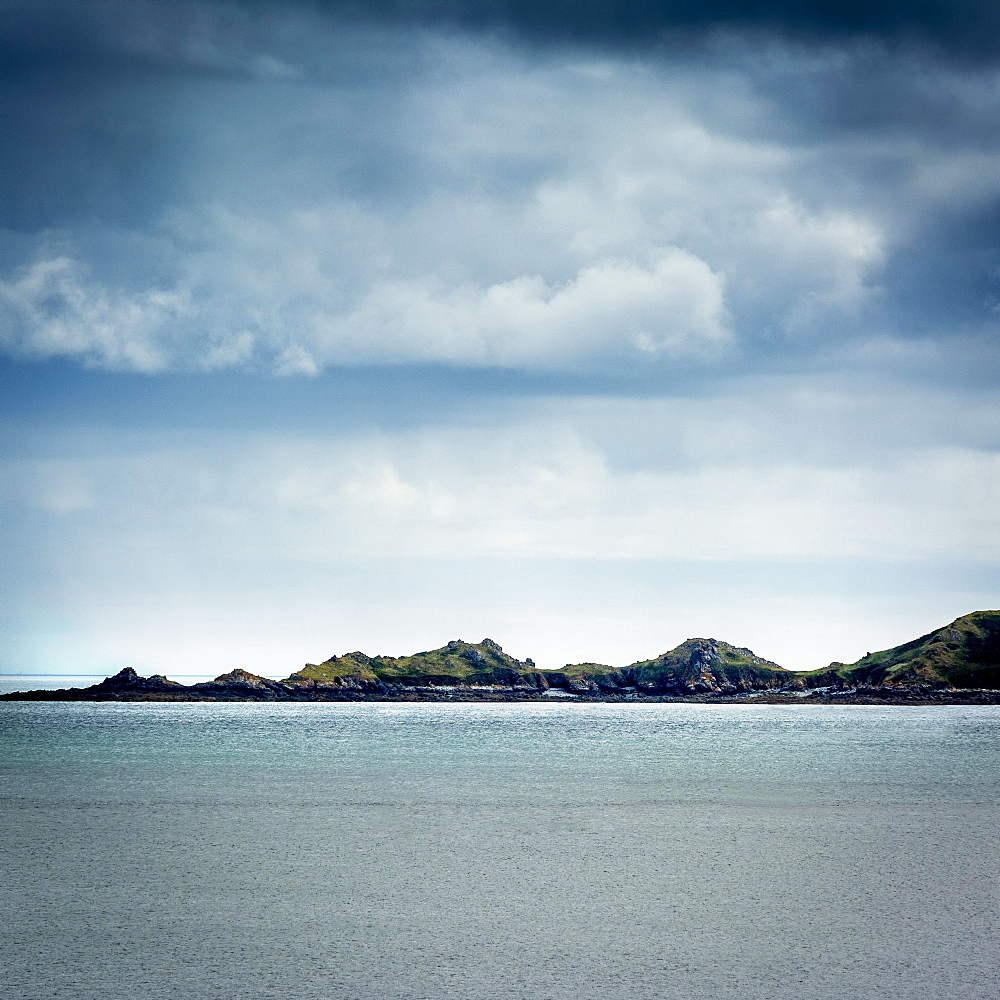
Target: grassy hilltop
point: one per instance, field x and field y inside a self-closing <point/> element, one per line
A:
<point x="964" y="654"/>
<point x="709" y="664"/>
<point x="458" y="662"/>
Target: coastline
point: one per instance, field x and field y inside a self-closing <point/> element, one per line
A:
<point x="958" y="664"/>
<point x="239" y="686"/>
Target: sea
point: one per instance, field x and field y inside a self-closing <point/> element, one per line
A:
<point x="543" y="851"/>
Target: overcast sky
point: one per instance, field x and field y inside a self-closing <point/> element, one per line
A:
<point x="588" y="326"/>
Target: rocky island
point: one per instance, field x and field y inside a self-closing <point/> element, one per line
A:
<point x="956" y="664"/>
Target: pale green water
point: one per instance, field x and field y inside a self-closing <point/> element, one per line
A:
<point x="499" y="851"/>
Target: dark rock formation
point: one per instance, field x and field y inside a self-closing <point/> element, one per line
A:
<point x="707" y="666"/>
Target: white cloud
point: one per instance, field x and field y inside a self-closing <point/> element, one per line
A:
<point x="671" y="305"/>
<point x="53" y="310"/>
<point x="829" y="257"/>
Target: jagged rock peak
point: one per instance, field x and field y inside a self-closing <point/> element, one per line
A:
<point x="705" y="650"/>
<point x="715" y="646"/>
<point x="457" y="644"/>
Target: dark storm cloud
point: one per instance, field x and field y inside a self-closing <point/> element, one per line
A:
<point x="963" y="28"/>
<point x="968" y="27"/>
<point x="83" y="148"/>
<point x="829" y="165"/>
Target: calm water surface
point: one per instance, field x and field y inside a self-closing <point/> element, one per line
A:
<point x="509" y="852"/>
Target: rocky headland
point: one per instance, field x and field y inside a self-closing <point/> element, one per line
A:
<point x="956" y="664"/>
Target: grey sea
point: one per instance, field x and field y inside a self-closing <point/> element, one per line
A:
<point x="424" y="851"/>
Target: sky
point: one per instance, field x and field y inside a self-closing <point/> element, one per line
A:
<point x="585" y="326"/>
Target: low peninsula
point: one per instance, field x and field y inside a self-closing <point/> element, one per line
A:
<point x="956" y="664"/>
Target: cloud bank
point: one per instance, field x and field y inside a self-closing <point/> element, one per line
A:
<point x="294" y="191"/>
<point x="673" y="306"/>
<point x="775" y="513"/>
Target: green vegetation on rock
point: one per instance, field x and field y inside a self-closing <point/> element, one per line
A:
<point x="585" y="670"/>
<point x="458" y="662"/>
<point x="710" y="665"/>
<point x="959" y="663"/>
<point x="697" y="665"/>
<point x="964" y="654"/>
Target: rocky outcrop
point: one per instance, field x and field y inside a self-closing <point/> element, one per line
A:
<point x="707" y="666"/>
<point x="127" y="685"/>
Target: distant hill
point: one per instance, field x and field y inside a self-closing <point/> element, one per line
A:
<point x="697" y="666"/>
<point x="958" y="664"/>
<point x="964" y="654"/>
<point x="458" y="662"/>
<point x="709" y="665"/>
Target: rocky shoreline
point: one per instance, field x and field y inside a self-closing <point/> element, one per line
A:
<point x="240" y="686"/>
